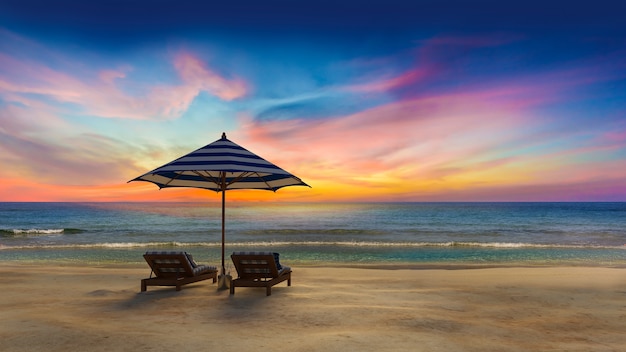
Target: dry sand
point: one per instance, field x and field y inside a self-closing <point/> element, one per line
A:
<point x="69" y="308"/>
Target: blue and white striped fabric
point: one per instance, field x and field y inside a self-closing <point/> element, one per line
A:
<point x="221" y="165"/>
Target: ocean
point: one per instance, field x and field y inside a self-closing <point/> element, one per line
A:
<point x="498" y="234"/>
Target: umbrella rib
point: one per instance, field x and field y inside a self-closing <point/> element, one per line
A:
<point x="171" y="180"/>
<point x="234" y="180"/>
<point x="267" y="184"/>
<point x="207" y="177"/>
<point x="240" y="177"/>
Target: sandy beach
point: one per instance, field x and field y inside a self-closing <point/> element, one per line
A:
<point x="72" y="308"/>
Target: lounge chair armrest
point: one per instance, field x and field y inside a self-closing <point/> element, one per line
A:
<point x="201" y="269"/>
<point x="284" y="270"/>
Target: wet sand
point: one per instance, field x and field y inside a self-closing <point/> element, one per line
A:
<point x="72" y="308"/>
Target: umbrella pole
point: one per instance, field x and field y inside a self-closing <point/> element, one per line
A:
<point x="224" y="280"/>
<point x="223" y="230"/>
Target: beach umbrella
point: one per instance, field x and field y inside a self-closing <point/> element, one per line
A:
<point x="221" y="166"/>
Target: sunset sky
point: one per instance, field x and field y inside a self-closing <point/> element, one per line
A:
<point x="364" y="100"/>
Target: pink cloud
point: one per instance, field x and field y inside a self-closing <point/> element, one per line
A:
<point x="102" y="92"/>
<point x="387" y="84"/>
<point x="589" y="190"/>
<point x="427" y="62"/>
<point x="196" y="74"/>
<point x="109" y="76"/>
<point x="480" y="142"/>
<point x="615" y="138"/>
<point x="447" y="145"/>
<point x="432" y="64"/>
<point x="62" y="157"/>
<point x="428" y="132"/>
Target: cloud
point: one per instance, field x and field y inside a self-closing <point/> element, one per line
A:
<point x="387" y="84"/>
<point x="493" y="136"/>
<point x="82" y="160"/>
<point x="76" y="88"/>
<point x="40" y="147"/>
<point x="44" y="144"/>
<point x="416" y="126"/>
<point x="432" y="130"/>
<point x="197" y="75"/>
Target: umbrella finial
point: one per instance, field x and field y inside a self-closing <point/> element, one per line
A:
<point x="223" y="135"/>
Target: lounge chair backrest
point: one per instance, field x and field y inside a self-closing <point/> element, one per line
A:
<point x="169" y="264"/>
<point x="255" y="265"/>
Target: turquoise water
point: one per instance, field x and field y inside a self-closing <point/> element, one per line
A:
<point x="320" y="233"/>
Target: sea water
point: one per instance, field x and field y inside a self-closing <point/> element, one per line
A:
<point x="320" y="233"/>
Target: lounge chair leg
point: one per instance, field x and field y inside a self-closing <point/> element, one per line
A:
<point x="232" y="289"/>
<point x="268" y="291"/>
<point x="143" y="286"/>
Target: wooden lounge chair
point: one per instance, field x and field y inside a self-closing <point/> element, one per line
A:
<point x="175" y="269"/>
<point x="259" y="269"/>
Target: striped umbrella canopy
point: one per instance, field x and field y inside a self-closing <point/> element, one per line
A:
<point x="221" y="166"/>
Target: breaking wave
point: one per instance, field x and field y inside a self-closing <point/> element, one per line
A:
<point x="37" y="232"/>
<point x="355" y="244"/>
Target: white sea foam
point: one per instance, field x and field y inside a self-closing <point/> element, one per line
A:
<point x="373" y="244"/>
<point x="37" y="231"/>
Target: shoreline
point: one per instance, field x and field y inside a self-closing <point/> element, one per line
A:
<point x="338" y="265"/>
<point x="70" y="307"/>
